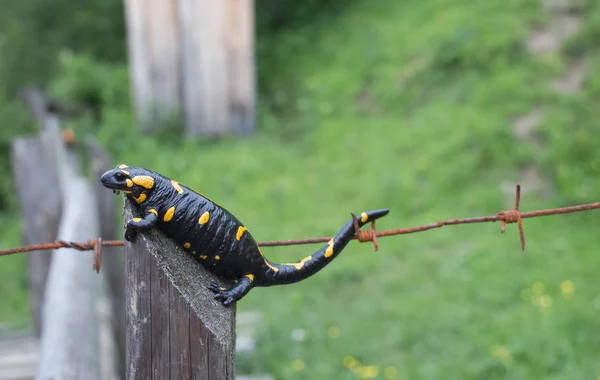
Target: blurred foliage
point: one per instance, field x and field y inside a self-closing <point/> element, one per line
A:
<point x="34" y="32"/>
<point x="407" y="105"/>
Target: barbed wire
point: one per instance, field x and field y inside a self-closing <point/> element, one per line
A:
<point x="363" y="236"/>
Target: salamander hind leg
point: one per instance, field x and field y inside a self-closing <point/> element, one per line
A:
<point x="235" y="293"/>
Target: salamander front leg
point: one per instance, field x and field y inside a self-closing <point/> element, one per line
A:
<point x="136" y="225"/>
<point x="235" y="293"/>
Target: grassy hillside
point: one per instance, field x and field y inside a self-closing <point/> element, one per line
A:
<point x="407" y="105"/>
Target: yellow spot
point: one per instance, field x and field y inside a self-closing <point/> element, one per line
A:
<point x="153" y="211"/>
<point x="176" y="186"/>
<point x="169" y="214"/>
<point x="538" y="288"/>
<point x="364" y="217"/>
<point x="203" y="257"/>
<point x="298" y="365"/>
<point x="350" y="362"/>
<point x="329" y="250"/>
<point x="300" y="264"/>
<point x="193" y="252"/>
<point x="186" y="245"/>
<point x="390" y="372"/>
<point x="217" y="257"/>
<point x="129" y="182"/>
<point x="144" y="181"/>
<point x="204" y="218"/>
<point x="545" y="301"/>
<point x="250" y="276"/>
<point x="275" y="269"/>
<point x="334" y="332"/>
<point x="125" y="171"/>
<point x="140" y="199"/>
<point x="240" y="232"/>
<point x="137" y="219"/>
<point x="123" y="166"/>
<point x="567" y="288"/>
<point x="367" y="372"/>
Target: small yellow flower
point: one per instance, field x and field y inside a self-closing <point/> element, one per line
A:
<point x="367" y="372"/>
<point x="350" y="362"/>
<point x="545" y="301"/>
<point x="538" y="287"/>
<point x="298" y="365"/>
<point x="567" y="288"/>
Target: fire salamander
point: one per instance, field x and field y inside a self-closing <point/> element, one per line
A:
<point x="213" y="235"/>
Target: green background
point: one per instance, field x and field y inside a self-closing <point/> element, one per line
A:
<point x="410" y="105"/>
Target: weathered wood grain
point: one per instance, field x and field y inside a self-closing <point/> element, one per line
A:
<point x="175" y="329"/>
<point x="37" y="190"/>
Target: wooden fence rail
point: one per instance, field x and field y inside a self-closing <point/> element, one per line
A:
<point x="71" y="303"/>
<point x="175" y="329"/>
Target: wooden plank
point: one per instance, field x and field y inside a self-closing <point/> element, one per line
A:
<point x="204" y="67"/>
<point x="194" y="57"/>
<point x="159" y="267"/>
<point x="198" y="348"/>
<point x="69" y="347"/>
<point x="160" y="312"/>
<point x="139" y="65"/>
<point x="179" y="334"/>
<point x="40" y="208"/>
<point x="112" y="257"/>
<point x="162" y="22"/>
<point x="241" y="65"/>
<point x="138" y="329"/>
<point x="152" y="28"/>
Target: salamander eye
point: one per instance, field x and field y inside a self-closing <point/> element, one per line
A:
<point x="119" y="176"/>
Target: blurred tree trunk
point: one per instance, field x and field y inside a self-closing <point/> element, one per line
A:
<point x="193" y="60"/>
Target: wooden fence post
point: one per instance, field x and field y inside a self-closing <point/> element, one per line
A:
<point x="39" y="198"/>
<point x="175" y="329"/>
<point x="194" y="58"/>
<point x="69" y="346"/>
<point x="76" y="342"/>
<point x="112" y="257"/>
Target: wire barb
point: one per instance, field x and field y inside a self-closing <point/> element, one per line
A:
<point x="513" y="216"/>
<point x="97" y="253"/>
<point x="366" y="235"/>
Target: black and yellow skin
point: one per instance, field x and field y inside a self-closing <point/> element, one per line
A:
<point x="213" y="235"/>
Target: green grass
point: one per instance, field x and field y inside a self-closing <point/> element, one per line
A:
<point x="406" y="105"/>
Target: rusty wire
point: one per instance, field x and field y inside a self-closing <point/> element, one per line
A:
<point x="363" y="236"/>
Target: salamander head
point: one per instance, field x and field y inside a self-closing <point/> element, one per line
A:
<point x="137" y="183"/>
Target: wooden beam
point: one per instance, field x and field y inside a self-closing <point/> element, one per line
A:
<point x="154" y="60"/>
<point x="195" y="59"/>
<point x="241" y="65"/>
<point x="175" y="328"/>
<point x="70" y="343"/>
<point x="112" y="257"/>
<point x="37" y="190"/>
